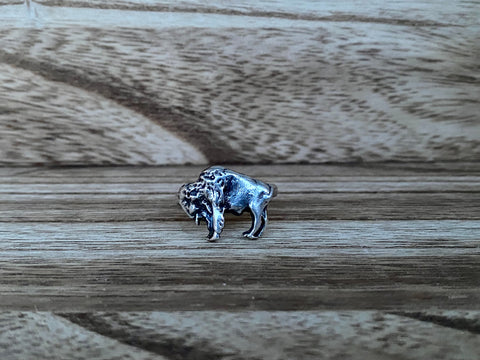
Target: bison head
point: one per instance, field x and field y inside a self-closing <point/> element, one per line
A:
<point x="193" y="201"/>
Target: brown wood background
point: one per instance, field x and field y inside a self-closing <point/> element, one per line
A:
<point x="159" y="82"/>
<point x="359" y="261"/>
<point x="377" y="237"/>
<point x="376" y="261"/>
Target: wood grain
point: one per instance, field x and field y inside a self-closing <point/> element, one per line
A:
<point x="197" y="82"/>
<point x="284" y="335"/>
<point x="114" y="238"/>
<point x="371" y="261"/>
<point x="207" y="335"/>
<point x="381" y="192"/>
<point x="35" y="335"/>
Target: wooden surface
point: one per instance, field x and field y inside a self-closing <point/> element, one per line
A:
<point x="384" y="237"/>
<point x="358" y="261"/>
<point x="372" y="261"/>
<point x="207" y="335"/>
<point x="163" y="82"/>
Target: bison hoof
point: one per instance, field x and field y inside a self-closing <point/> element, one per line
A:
<point x="214" y="237"/>
<point x="250" y="236"/>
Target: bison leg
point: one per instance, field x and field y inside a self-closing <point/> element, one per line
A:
<point x="209" y="221"/>
<point x="218" y="222"/>
<point x="263" y="223"/>
<point x="245" y="233"/>
<point x="257" y="211"/>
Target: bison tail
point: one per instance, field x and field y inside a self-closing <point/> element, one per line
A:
<point x="273" y="190"/>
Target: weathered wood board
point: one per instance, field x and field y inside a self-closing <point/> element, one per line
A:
<point x="371" y="261"/>
<point x="352" y="237"/>
<point x="159" y="82"/>
<point x="207" y="335"/>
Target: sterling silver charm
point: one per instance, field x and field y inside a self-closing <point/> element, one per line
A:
<point x="219" y="190"/>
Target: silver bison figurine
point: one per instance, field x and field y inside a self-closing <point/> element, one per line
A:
<point x="219" y="190"/>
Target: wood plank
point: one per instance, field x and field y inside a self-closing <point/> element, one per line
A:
<point x="305" y="193"/>
<point x="84" y="239"/>
<point x="157" y="201"/>
<point x="285" y="335"/>
<point x="285" y="186"/>
<point x="160" y="208"/>
<point x="324" y="207"/>
<point x="148" y="298"/>
<point x="316" y="265"/>
<point x="189" y="173"/>
<point x="197" y="82"/>
<point x="206" y="335"/>
<point x="305" y="239"/>
<point x="300" y="10"/>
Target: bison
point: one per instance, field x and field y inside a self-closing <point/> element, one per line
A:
<point x="219" y="190"/>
